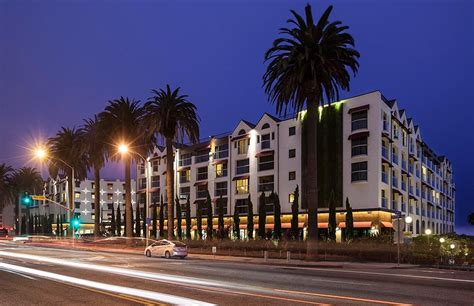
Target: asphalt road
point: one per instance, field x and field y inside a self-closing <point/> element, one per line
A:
<point x="45" y="276"/>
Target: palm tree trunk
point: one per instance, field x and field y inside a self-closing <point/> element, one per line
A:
<point x="128" y="201"/>
<point x="311" y="178"/>
<point x="97" y="201"/>
<point x="71" y="203"/>
<point x="170" y="187"/>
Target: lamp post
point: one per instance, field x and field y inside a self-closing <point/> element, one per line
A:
<point x="428" y="234"/>
<point x="124" y="149"/>
<point x="41" y="154"/>
<point x="408" y="220"/>
<point x="441" y="241"/>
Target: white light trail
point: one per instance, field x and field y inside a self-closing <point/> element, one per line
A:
<point x="155" y="296"/>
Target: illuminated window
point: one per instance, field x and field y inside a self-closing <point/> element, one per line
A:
<point x="185" y="176"/>
<point x="110" y="186"/>
<point x="93" y="196"/>
<point x="110" y="196"/>
<point x="221" y="170"/>
<point x="77" y="195"/>
<point x="242" y="186"/>
<point x="242" y="146"/>
<point x="291" y="197"/>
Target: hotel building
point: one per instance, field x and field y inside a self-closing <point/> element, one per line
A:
<point x="112" y="194"/>
<point x="369" y="152"/>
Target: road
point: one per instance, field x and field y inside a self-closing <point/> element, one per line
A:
<point x="45" y="276"/>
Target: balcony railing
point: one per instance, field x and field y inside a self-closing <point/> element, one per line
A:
<point x="265" y="187"/>
<point x="202" y="158"/>
<point x="201" y="194"/>
<point x="185" y="162"/>
<point x="221" y="154"/>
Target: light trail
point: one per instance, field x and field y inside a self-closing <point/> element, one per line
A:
<point x="154" y="296"/>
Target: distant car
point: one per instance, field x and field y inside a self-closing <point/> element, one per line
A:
<point x="167" y="249"/>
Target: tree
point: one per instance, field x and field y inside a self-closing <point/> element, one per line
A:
<point x="277" y="222"/>
<point x="57" y="225"/>
<point x="188" y="219"/>
<point x="250" y="218"/>
<point x="294" y="214"/>
<point x="61" y="219"/>
<point x="6" y="194"/>
<point x="65" y="154"/>
<point x="113" y="224"/>
<point x="154" y="216"/>
<point x="138" y="229"/>
<point x="171" y="115"/>
<point x="94" y="147"/>
<point x="349" y="221"/>
<point x="162" y="218"/>
<point x="262" y="216"/>
<point x="236" y="224"/>
<point x="220" y="218"/>
<point x="209" y="215"/>
<point x="199" y="220"/>
<point x="179" y="219"/>
<point x="119" y="221"/>
<point x="123" y="123"/>
<point x="332" y="218"/>
<point x="470" y="218"/>
<point x="307" y="67"/>
<point x="25" y="179"/>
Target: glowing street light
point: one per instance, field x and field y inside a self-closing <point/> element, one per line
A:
<point x="408" y="220"/>
<point x="442" y="240"/>
<point x="428" y="232"/>
<point x="452" y="246"/>
<point x="40" y="153"/>
<point x="123" y="148"/>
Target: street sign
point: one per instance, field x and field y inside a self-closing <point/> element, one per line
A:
<point x="38" y="198"/>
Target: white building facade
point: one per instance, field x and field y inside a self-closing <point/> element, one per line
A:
<point x="384" y="168"/>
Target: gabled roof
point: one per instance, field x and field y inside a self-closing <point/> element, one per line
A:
<point x="250" y="124"/>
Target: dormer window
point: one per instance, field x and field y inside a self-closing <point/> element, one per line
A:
<point x="242" y="132"/>
<point x="265" y="126"/>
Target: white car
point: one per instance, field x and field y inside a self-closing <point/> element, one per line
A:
<point x="167" y="249"/>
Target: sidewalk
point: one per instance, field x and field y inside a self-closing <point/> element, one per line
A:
<point x="233" y="259"/>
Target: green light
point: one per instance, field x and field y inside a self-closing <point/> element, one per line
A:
<point x="76" y="223"/>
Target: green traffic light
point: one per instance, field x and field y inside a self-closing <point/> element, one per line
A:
<point x="76" y="223"/>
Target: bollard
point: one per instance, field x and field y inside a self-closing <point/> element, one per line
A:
<point x="288" y="256"/>
<point x="265" y="255"/>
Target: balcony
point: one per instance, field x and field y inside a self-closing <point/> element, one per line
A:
<point x="202" y="158"/>
<point x="266" y="187"/>
<point x="201" y="176"/>
<point x="221" y="154"/>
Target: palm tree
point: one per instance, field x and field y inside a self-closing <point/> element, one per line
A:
<point x="122" y="123"/>
<point x="94" y="147"/>
<point x="65" y="155"/>
<point x="307" y="67"/>
<point x="470" y="218"/>
<point x="5" y="186"/>
<point x="25" y="179"/>
<point x="171" y="115"/>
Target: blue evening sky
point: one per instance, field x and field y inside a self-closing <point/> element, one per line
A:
<point x="60" y="61"/>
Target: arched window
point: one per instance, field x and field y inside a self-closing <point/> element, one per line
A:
<point x="265" y="126"/>
<point x="242" y="132"/>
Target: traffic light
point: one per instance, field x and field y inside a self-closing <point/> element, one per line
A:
<point x="76" y="223"/>
<point x="26" y="199"/>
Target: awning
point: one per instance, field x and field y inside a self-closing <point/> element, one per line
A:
<point x="386" y="224"/>
<point x="242" y="177"/>
<point x="358" y="109"/>
<point x="359" y="224"/>
<point x="288" y="225"/>
<point x="322" y="225"/>
<point x="359" y="135"/>
<point x="202" y="183"/>
<point x="240" y="137"/>
<point x="265" y="153"/>
<point x="220" y="161"/>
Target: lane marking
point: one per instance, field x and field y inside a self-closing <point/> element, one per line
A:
<point x="19" y="274"/>
<point x="161" y="297"/>
<point x="341" y="297"/>
<point x="460" y="280"/>
<point x="322" y="280"/>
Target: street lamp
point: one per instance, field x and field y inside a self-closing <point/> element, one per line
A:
<point x="452" y="246"/>
<point x="427" y="231"/>
<point x="41" y="154"/>
<point x="442" y="240"/>
<point x="124" y="149"/>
